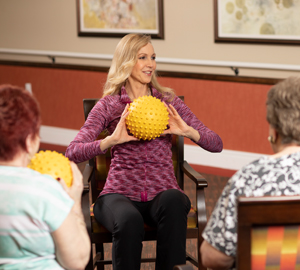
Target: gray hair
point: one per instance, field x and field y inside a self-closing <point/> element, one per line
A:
<point x="283" y="109"/>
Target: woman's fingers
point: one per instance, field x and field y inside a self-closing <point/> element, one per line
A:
<point x="168" y="108"/>
<point x="64" y="185"/>
<point x="76" y="172"/>
<point x="77" y="176"/>
<point x="75" y="190"/>
<point x="173" y="110"/>
<point x="125" y="110"/>
<point x="125" y="113"/>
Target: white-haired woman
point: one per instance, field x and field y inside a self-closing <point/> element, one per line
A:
<point x="277" y="175"/>
<point x="141" y="185"/>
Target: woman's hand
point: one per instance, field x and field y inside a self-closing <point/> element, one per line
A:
<point x="120" y="134"/>
<point x="72" y="242"/>
<point x="75" y="190"/>
<point x="178" y="127"/>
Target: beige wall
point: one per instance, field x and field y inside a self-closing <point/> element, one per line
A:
<point x="189" y="34"/>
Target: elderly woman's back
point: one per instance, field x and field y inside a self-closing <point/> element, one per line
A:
<point x="275" y="175"/>
<point x="41" y="223"/>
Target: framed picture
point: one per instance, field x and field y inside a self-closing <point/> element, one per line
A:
<point x="256" y="21"/>
<point x="116" y="18"/>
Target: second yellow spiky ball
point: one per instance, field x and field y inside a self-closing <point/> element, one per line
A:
<point x="53" y="164"/>
<point x="148" y="118"/>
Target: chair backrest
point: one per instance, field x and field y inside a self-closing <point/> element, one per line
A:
<point x="102" y="162"/>
<point x="268" y="233"/>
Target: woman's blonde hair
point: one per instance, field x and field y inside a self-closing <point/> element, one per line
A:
<point x="283" y="109"/>
<point x="125" y="58"/>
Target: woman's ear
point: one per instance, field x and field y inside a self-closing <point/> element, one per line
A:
<point x="32" y="144"/>
<point x="273" y="134"/>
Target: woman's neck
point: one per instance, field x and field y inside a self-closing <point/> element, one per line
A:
<point x="286" y="149"/>
<point x="136" y="90"/>
<point x="21" y="160"/>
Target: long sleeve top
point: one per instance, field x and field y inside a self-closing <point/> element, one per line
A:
<point x="136" y="166"/>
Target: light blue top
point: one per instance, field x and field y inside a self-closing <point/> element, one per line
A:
<point x="32" y="206"/>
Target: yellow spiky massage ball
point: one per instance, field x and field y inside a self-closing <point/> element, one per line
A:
<point x="53" y="164"/>
<point x="148" y="118"/>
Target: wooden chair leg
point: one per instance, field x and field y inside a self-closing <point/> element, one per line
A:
<point x="201" y="208"/>
<point x="100" y="255"/>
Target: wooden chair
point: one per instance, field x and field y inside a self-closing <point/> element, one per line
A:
<point x="95" y="174"/>
<point x="268" y="233"/>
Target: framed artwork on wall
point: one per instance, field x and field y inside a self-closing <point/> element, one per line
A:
<point x="256" y="21"/>
<point x="116" y="18"/>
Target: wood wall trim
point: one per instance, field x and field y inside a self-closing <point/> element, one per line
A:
<point x="54" y="65"/>
<point x="213" y="77"/>
<point x="172" y="74"/>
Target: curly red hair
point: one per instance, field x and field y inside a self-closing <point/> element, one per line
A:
<point x="19" y="117"/>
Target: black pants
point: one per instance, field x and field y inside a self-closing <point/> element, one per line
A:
<point x="125" y="220"/>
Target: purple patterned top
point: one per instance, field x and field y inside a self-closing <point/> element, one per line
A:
<point x="137" y="167"/>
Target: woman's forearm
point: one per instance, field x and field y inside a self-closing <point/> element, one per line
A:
<point x="192" y="134"/>
<point x="106" y="143"/>
<point x="211" y="141"/>
<point x="80" y="151"/>
<point x="215" y="259"/>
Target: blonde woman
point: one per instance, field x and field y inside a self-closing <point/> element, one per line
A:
<point x="141" y="185"/>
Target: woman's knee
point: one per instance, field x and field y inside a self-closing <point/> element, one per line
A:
<point x="118" y="215"/>
<point x="129" y="224"/>
<point x="174" y="199"/>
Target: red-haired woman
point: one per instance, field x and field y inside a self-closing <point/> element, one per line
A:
<point x="41" y="223"/>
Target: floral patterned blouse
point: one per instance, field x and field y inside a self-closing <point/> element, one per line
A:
<point x="265" y="176"/>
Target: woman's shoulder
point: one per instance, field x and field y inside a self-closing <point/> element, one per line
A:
<point x="177" y="100"/>
<point x="11" y="173"/>
<point x="110" y="99"/>
<point x="256" y="167"/>
<point x="168" y="97"/>
<point x="108" y="102"/>
<point x="44" y="181"/>
<point x="29" y="182"/>
<point x="266" y="165"/>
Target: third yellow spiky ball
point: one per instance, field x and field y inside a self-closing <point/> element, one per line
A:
<point x="148" y="118"/>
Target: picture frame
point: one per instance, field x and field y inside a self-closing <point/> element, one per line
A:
<point x="117" y="18"/>
<point x="262" y="22"/>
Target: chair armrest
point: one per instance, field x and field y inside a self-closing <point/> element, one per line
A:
<point x="85" y="200"/>
<point x="199" y="180"/>
<point x="201" y="183"/>
<point x="183" y="267"/>
<point x="87" y="174"/>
